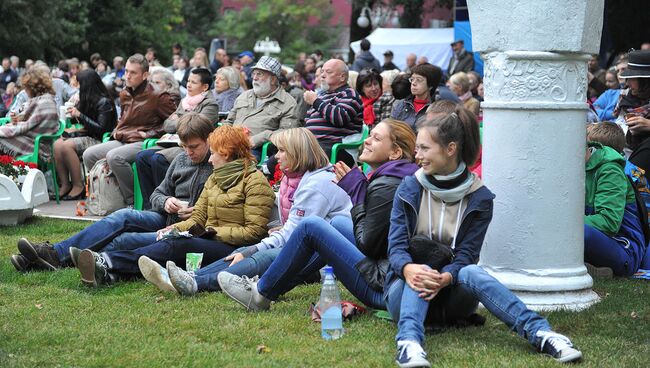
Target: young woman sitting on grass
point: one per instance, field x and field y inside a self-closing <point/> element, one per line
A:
<point x="306" y="190"/>
<point x="447" y="208"/>
<point x="232" y="211"/>
<point x="355" y="248"/>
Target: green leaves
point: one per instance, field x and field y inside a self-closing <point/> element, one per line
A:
<point x="58" y="29"/>
<point x="298" y="26"/>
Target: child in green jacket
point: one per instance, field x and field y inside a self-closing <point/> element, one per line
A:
<point x="613" y="230"/>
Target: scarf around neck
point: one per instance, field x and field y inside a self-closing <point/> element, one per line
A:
<point x="447" y="188"/>
<point x="228" y="175"/>
<point x="466" y="96"/>
<point x="368" y="111"/>
<point x="190" y="102"/>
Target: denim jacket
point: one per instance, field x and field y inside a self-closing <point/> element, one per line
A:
<point x="403" y="220"/>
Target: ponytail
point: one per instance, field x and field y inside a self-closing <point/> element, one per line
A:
<point x="460" y="127"/>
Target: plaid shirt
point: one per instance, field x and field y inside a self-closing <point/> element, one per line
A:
<point x="383" y="106"/>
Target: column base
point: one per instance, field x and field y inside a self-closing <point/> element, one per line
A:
<point x="549" y="289"/>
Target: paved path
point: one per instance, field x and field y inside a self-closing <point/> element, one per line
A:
<point x="64" y="210"/>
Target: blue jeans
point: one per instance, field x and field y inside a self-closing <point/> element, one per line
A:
<point x="123" y="229"/>
<point x="313" y="243"/>
<point x="606" y="251"/>
<point x="411" y="311"/>
<point x="125" y="262"/>
<point x="152" y="169"/>
<point x="256" y="264"/>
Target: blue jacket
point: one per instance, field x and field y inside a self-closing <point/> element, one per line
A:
<point x="365" y="60"/>
<point x="403" y="220"/>
<point x="606" y="103"/>
<point x="404" y="110"/>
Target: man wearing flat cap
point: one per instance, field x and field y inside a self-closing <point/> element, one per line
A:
<point x="266" y="107"/>
<point x="462" y="61"/>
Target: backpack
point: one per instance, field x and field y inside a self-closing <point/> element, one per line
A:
<point x="637" y="178"/>
<point x="104" y="195"/>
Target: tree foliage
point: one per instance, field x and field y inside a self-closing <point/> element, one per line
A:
<point x="42" y="29"/>
<point x="282" y="20"/>
<point x="51" y="30"/>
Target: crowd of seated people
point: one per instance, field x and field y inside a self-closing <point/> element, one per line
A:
<point x="369" y="214"/>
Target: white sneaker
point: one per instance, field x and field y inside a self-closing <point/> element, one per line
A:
<point x="410" y="355"/>
<point x="244" y="291"/>
<point x="155" y="274"/>
<point x="558" y="346"/>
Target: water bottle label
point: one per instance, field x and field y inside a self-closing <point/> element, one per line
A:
<point x="332" y="323"/>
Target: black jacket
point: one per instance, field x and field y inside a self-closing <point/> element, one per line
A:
<point x="105" y="121"/>
<point x="371" y="220"/>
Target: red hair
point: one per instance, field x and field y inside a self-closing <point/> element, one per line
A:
<point x="231" y="142"/>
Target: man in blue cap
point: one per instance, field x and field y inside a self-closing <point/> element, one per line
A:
<point x="246" y="58"/>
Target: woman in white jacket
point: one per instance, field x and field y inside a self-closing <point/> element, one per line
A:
<point x="306" y="189"/>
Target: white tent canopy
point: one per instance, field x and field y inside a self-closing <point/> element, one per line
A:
<point x="434" y="43"/>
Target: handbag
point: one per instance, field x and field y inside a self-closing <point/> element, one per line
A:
<point x="430" y="252"/>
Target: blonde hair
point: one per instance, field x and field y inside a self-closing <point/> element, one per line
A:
<point x="352" y="78"/>
<point x="389" y="75"/>
<point x="302" y="149"/>
<point x="37" y="81"/>
<point x="202" y="58"/>
<point x="460" y="79"/>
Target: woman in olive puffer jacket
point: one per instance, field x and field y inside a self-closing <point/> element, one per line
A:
<point x="233" y="210"/>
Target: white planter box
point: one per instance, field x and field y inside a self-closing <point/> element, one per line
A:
<point x="18" y="205"/>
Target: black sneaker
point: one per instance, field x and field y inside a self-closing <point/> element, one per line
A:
<point x="41" y="254"/>
<point x="93" y="268"/>
<point x="411" y="355"/>
<point x="21" y="263"/>
<point x="557" y="346"/>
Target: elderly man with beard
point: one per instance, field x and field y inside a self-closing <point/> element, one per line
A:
<point x="266" y="108"/>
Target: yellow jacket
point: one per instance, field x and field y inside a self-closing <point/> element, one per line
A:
<point x="239" y="215"/>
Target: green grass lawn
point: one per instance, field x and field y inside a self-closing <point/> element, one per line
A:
<point x="51" y="320"/>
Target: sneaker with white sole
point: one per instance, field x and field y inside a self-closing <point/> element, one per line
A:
<point x="74" y="253"/>
<point x="182" y="280"/>
<point x="21" y="263"/>
<point x="155" y="274"/>
<point x="93" y="269"/>
<point x="410" y="355"/>
<point x="557" y="346"/>
<point x="244" y="291"/>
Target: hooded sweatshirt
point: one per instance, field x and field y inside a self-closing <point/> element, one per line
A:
<point x="610" y="203"/>
<point x="607" y="190"/>
<point x="365" y="60"/>
<point x="315" y="195"/>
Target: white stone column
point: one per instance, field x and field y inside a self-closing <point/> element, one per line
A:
<point x="534" y="117"/>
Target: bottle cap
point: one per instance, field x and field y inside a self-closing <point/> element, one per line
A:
<point x="329" y="269"/>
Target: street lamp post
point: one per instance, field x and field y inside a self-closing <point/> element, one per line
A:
<point x="267" y="46"/>
<point x="380" y="15"/>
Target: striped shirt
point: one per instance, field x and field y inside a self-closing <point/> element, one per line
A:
<point x="335" y="115"/>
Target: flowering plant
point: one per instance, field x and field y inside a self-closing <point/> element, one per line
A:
<point x="14" y="168"/>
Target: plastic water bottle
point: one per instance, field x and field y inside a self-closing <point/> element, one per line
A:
<point x="330" y="306"/>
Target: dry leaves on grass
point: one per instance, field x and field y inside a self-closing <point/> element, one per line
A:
<point x="262" y="349"/>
